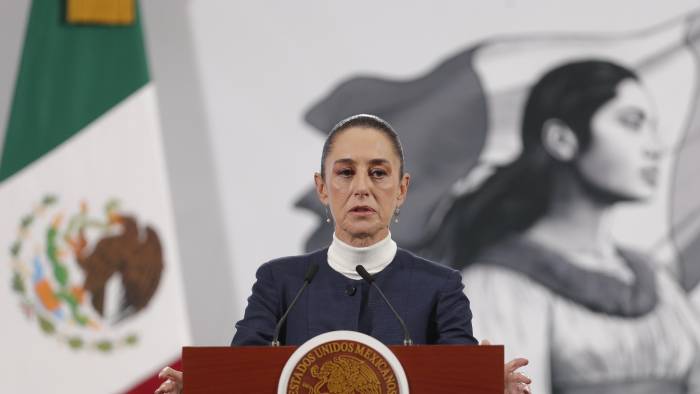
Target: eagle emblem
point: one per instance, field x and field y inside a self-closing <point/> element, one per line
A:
<point x="80" y="273"/>
<point x="344" y="375"/>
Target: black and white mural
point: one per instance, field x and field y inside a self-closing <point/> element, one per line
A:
<point x="558" y="172"/>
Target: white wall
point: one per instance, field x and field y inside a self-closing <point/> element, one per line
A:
<point x="14" y="15"/>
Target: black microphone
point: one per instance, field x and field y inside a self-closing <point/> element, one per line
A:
<point x="310" y="273"/>
<point x="367" y="277"/>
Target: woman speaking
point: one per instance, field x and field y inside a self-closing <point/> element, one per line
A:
<point x="362" y="184"/>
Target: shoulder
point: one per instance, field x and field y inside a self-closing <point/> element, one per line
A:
<point x="425" y="269"/>
<point x="292" y="266"/>
<point x="488" y="275"/>
<point x="496" y="284"/>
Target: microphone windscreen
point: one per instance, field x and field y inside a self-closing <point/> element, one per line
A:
<point x="363" y="273"/>
<point x="311" y="272"/>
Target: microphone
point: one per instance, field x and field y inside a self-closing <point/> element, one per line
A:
<point x="310" y="273"/>
<point x="367" y="277"/>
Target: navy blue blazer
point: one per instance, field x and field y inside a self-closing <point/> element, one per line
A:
<point x="429" y="297"/>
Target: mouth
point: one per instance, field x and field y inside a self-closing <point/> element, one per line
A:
<point x="362" y="210"/>
<point x="650" y="175"/>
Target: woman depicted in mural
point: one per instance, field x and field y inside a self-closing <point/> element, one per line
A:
<point x="545" y="275"/>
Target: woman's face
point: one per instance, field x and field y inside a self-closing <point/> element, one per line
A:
<point x="362" y="185"/>
<point x="622" y="159"/>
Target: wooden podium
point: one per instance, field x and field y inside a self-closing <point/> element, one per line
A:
<point x="430" y="369"/>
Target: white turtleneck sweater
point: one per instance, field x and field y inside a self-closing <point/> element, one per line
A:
<point x="343" y="258"/>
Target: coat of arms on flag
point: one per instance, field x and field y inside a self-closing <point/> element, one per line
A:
<point x="79" y="272"/>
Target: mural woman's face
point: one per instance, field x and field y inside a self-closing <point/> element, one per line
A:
<point x="623" y="155"/>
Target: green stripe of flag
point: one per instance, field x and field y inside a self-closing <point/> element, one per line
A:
<point x="69" y="75"/>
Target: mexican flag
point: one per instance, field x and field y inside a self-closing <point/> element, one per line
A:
<point x="91" y="293"/>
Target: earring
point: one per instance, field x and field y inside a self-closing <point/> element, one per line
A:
<point x="396" y="215"/>
<point x="328" y="215"/>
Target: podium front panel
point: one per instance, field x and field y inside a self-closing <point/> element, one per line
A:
<point x="431" y="369"/>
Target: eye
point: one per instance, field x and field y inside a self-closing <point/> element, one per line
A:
<point x="345" y="172"/>
<point x="632" y="124"/>
<point x="377" y="172"/>
<point x="632" y="121"/>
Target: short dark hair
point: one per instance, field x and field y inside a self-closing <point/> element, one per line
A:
<point x="367" y="121"/>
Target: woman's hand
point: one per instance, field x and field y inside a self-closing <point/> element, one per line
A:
<point x="514" y="382"/>
<point x="173" y="384"/>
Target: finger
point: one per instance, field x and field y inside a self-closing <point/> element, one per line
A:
<point x="517" y="388"/>
<point x="164" y="372"/>
<point x="169" y="373"/>
<point x="166" y="387"/>
<point x="515" y="363"/>
<point x="485" y="342"/>
<point x="519" y="378"/>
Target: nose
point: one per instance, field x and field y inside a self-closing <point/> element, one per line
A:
<point x="361" y="185"/>
<point x="654" y="153"/>
<point x="654" y="148"/>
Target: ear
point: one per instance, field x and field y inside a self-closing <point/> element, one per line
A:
<point x="559" y="140"/>
<point x="403" y="188"/>
<point x="321" y="189"/>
